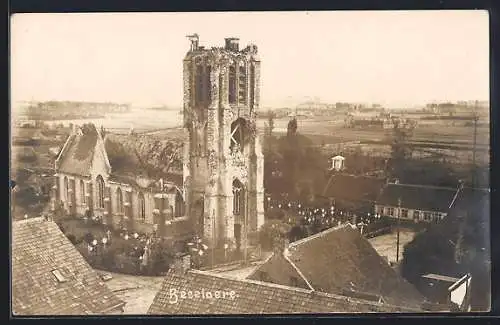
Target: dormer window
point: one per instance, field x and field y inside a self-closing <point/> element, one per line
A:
<point x="59" y="276"/>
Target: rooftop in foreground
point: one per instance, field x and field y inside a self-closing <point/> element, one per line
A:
<point x="188" y="294"/>
<point x="50" y="277"/>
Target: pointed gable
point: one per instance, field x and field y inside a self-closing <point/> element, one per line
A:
<point x="339" y="260"/>
<point x="77" y="155"/>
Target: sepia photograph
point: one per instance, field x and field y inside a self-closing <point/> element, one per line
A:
<point x="250" y="163"/>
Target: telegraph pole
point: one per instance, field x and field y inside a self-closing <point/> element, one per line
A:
<point x="246" y="226"/>
<point x="475" y="117"/>
<point x="397" y="235"/>
<point x="213" y="239"/>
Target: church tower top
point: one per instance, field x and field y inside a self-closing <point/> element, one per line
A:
<point x="231" y="48"/>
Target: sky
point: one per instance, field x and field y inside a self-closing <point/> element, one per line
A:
<point x="393" y="58"/>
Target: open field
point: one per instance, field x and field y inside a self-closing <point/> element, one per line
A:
<point x="334" y="130"/>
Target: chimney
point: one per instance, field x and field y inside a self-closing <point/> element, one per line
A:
<point x="182" y="263"/>
<point x="232" y="44"/>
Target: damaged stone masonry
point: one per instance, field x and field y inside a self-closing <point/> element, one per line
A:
<point x="223" y="163"/>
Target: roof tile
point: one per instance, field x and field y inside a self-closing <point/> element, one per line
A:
<point x="252" y="297"/>
<point x="39" y="247"/>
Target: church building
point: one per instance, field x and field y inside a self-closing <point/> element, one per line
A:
<point x="128" y="181"/>
<point x="223" y="165"/>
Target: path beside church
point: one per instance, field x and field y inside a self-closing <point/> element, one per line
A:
<point x="137" y="291"/>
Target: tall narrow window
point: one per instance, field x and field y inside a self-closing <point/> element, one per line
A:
<point x="238" y="197"/>
<point x="119" y="200"/>
<point x="142" y="207"/>
<point x="83" y="198"/>
<point x="252" y="86"/>
<point x="129" y="201"/>
<point x="179" y="204"/>
<point x="207" y="85"/>
<point x="232" y="85"/>
<point x="100" y="192"/>
<point x="199" y="85"/>
<point x="66" y="189"/>
<point x="242" y="83"/>
<point x="237" y="133"/>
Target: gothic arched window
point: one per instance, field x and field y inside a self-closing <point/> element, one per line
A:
<point x="100" y="191"/>
<point x="82" y="192"/>
<point x="119" y="200"/>
<point x="142" y="207"/>
<point x="238" y="197"/>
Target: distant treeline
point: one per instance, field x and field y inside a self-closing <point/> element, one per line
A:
<point x="447" y="117"/>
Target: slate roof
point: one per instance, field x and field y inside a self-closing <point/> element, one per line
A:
<point x="148" y="156"/>
<point x="353" y="188"/>
<point x="420" y="197"/>
<point x="38" y="248"/>
<point x="252" y="297"/>
<point x="78" y="152"/>
<point x="340" y="260"/>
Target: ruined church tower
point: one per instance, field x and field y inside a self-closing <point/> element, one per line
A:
<point x="223" y="161"/>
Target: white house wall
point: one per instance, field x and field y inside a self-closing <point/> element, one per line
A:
<point x="384" y="210"/>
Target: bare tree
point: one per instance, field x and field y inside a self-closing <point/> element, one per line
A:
<point x="401" y="149"/>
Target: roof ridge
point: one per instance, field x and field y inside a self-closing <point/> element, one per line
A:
<point x="320" y="234"/>
<point x="30" y="220"/>
<point x="232" y="278"/>
<point x="424" y="186"/>
<point x="296" y="289"/>
<point x="460" y="189"/>
<point x="298" y="271"/>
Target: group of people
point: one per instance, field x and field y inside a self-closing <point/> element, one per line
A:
<point x="320" y="215"/>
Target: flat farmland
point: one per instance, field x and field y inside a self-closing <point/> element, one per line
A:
<point x="333" y="131"/>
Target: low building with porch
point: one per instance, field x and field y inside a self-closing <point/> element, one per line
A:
<point x="130" y="182"/>
<point x="420" y="203"/>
